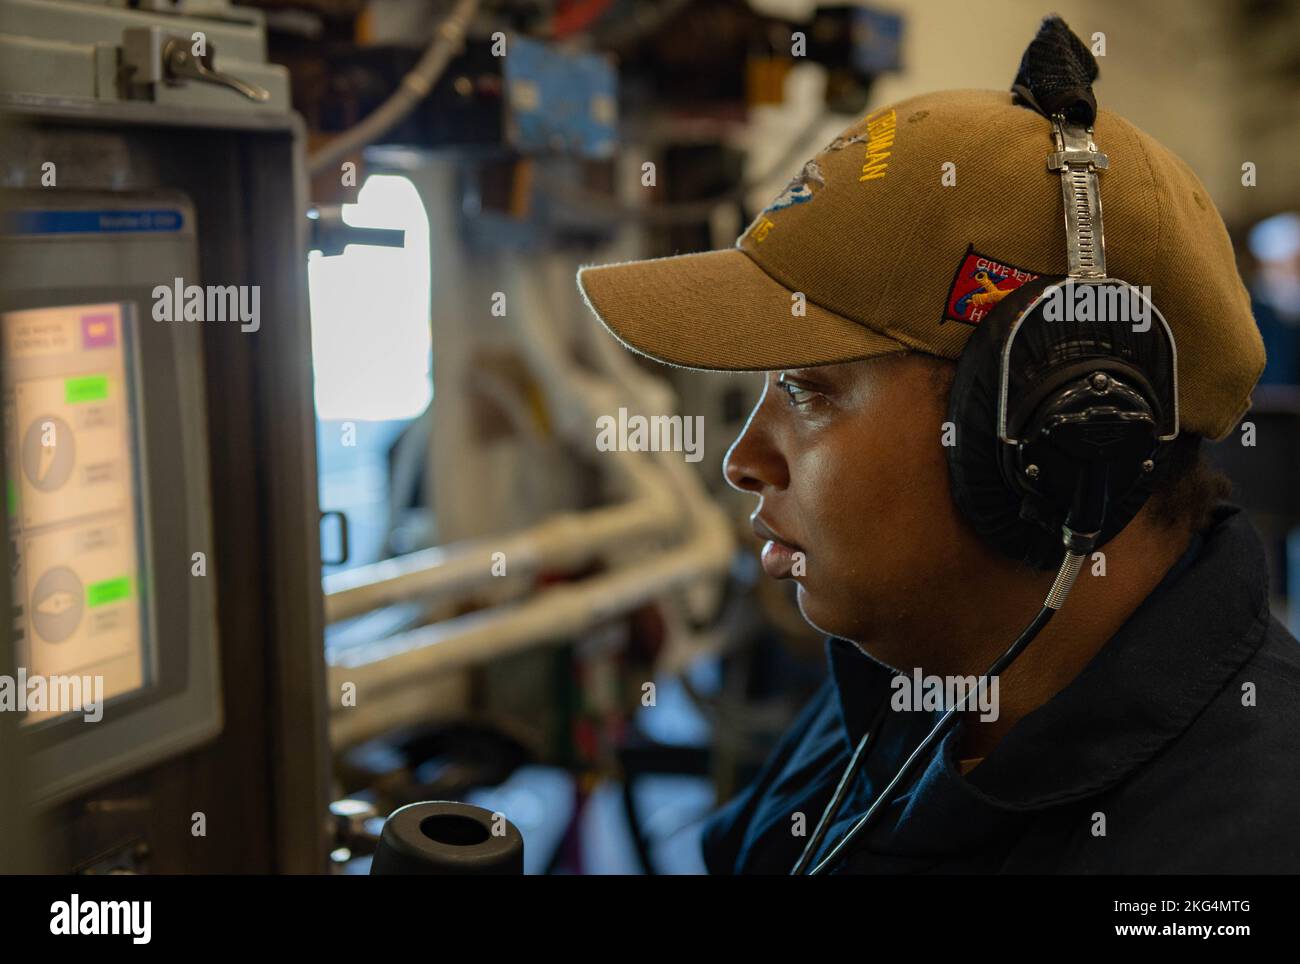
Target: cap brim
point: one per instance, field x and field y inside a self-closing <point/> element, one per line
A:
<point x="720" y="311"/>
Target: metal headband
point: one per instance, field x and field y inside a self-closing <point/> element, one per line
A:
<point x="1077" y="158"/>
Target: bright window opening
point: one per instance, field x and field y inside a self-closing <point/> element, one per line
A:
<point x="370" y="312"/>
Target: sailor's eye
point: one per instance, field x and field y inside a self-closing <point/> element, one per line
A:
<point x="797" y="393"/>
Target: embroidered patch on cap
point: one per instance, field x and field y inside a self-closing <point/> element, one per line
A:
<point x="800" y="188"/>
<point x="877" y="133"/>
<point x="979" y="284"/>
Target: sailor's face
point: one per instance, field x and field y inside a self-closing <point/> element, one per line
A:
<point x="848" y="465"/>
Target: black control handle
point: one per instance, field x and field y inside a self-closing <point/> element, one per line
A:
<point x="442" y="837"/>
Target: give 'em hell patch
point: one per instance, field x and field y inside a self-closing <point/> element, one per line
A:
<point x="979" y="284"/>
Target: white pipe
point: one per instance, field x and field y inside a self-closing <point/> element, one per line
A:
<point x="708" y="526"/>
<point x="554" y="615"/>
<point x="707" y="519"/>
<point x="448" y="40"/>
<point x="566" y="540"/>
<point x="575" y="398"/>
<point x="666" y="488"/>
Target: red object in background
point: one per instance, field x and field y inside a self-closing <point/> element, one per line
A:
<point x="586" y="739"/>
<point x="575" y="16"/>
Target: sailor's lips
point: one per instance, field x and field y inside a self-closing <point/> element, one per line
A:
<point x="778" y="555"/>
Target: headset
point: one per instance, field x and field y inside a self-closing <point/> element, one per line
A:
<point x="1063" y="426"/>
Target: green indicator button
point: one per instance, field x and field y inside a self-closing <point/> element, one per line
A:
<point x="108" y="591"/>
<point x="88" y="388"/>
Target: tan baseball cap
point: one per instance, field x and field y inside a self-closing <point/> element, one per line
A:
<point x="904" y="231"/>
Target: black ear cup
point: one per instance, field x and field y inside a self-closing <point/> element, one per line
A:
<point x="975" y="471"/>
<point x="1091" y="446"/>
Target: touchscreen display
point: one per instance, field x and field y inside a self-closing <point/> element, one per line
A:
<point x="74" y="506"/>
